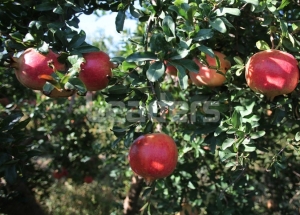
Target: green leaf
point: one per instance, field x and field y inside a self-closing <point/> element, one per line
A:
<point x="10" y="121"/>
<point x="21" y="124"/>
<point x="28" y="38"/>
<point x="10" y="174"/>
<point x="78" y="85"/>
<point x="203" y="34"/>
<point x="182" y="77"/>
<point x="134" y="12"/>
<point x="58" y="10"/>
<point x="141" y="56"/>
<point x="191" y="186"/>
<point x="179" y="54"/>
<point x="224" y="10"/>
<point x="179" y="2"/>
<point x="288" y="44"/>
<point x="249" y="148"/>
<point x="238" y="60"/>
<point x="155" y="71"/>
<point x="254" y="2"/>
<point x="61" y="36"/>
<point x="283" y="4"/>
<point x="86" y="48"/>
<point x="45" y="6"/>
<point x="262" y="45"/>
<point x="284" y="27"/>
<point x="128" y="65"/>
<point x="206" y="50"/>
<point x="55" y="25"/>
<point x="17" y="36"/>
<point x="118" y="89"/>
<point x="116" y="142"/>
<point x="297" y="136"/>
<point x="43" y="48"/>
<point x="257" y="134"/>
<point x="190" y="65"/>
<point x="168" y="27"/>
<point x="224" y="155"/>
<point x="236" y="119"/>
<point x="77" y="40"/>
<point x="129" y="137"/>
<point x="218" y="25"/>
<point x="228" y="143"/>
<point x="120" y="19"/>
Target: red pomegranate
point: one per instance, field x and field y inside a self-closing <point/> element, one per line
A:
<point x="171" y="70"/>
<point x="208" y="75"/>
<point x="31" y="64"/>
<point x="88" y="179"/>
<point x="96" y="71"/>
<point x="272" y="73"/>
<point x="153" y="156"/>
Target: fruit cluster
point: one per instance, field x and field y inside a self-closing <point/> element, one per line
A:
<point x="33" y="69"/>
<point x="270" y="72"/>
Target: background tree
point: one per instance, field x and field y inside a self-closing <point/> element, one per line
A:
<point x="243" y="161"/>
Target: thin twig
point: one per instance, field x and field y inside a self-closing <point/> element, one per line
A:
<point x="293" y="198"/>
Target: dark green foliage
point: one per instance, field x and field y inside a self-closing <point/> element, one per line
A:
<point x="238" y="152"/>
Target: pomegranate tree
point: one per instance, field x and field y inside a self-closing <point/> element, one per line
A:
<point x="209" y="75"/>
<point x="153" y="156"/>
<point x="32" y="64"/>
<point x="96" y="71"/>
<point x="272" y="73"/>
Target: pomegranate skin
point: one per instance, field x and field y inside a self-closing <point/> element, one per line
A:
<point x="272" y="73"/>
<point x="153" y="156"/>
<point x="96" y="71"/>
<point x="31" y="64"/>
<point x="209" y="76"/>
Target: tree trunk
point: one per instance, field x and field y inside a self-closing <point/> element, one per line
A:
<point x="131" y="206"/>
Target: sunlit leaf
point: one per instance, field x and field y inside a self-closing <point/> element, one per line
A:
<point x="155" y="71"/>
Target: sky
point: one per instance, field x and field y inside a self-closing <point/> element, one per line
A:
<point x="97" y="27"/>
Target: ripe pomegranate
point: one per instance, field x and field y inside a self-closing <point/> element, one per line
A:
<point x="208" y="74"/>
<point x="153" y="156"/>
<point x="171" y="70"/>
<point x="96" y="71"/>
<point x="272" y="73"/>
<point x="31" y="64"/>
<point x="58" y="174"/>
<point x="88" y="179"/>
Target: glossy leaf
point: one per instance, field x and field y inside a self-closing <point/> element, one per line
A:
<point x="218" y="25"/>
<point x="155" y="71"/>
<point x="141" y="56"/>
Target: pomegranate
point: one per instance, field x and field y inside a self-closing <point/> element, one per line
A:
<point x="88" y="179"/>
<point x="58" y="174"/>
<point x="171" y="70"/>
<point x="96" y="71"/>
<point x="153" y="156"/>
<point x="31" y="64"/>
<point x="208" y="75"/>
<point x="272" y="73"/>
